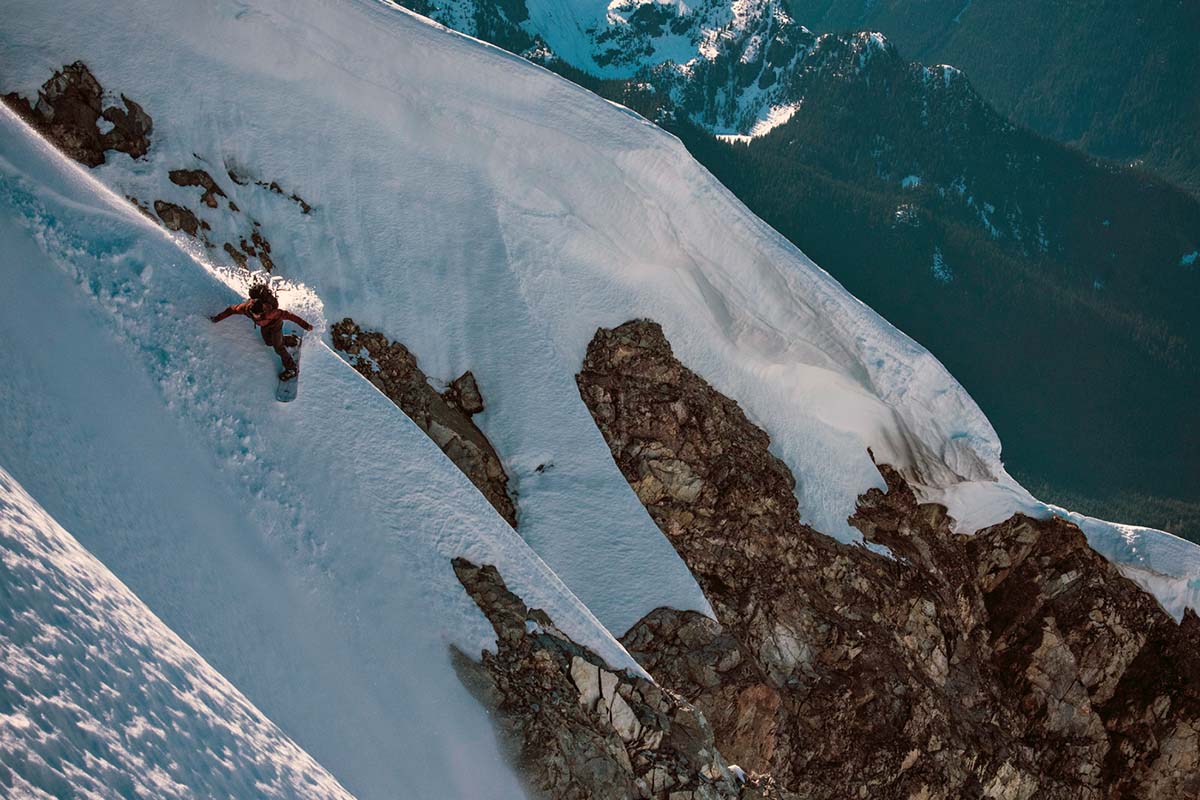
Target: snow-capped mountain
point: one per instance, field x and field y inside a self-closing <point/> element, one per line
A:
<point x="426" y="199"/>
<point x="733" y="65"/>
<point x="738" y="68"/>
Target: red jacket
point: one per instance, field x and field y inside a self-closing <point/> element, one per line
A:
<point x="269" y="316"/>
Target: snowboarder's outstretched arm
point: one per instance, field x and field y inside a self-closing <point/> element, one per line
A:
<point x="240" y="308"/>
<point x="293" y="318"/>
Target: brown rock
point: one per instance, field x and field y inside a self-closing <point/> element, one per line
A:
<point x="258" y="247"/>
<point x="578" y="729"/>
<point x="131" y="128"/>
<point x="393" y="369"/>
<point x="198" y="177"/>
<point x="275" y="188"/>
<point x="463" y="394"/>
<point x="67" y="112"/>
<point x="1017" y="663"/>
<point x="177" y="218"/>
<point x="237" y="255"/>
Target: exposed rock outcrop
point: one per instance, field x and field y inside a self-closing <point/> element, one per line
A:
<point x="244" y="180"/>
<point x="258" y="247"/>
<point x="447" y="420"/>
<point x="238" y="256"/>
<point x="578" y="730"/>
<point x="200" y="178"/>
<point x="1017" y="663"/>
<point x="68" y="111"/>
<point x="463" y="394"/>
<point x="178" y="218"/>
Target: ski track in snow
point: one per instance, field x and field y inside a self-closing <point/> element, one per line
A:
<point x="99" y="696"/>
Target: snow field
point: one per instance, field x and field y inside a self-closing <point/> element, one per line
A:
<point x="99" y="696"/>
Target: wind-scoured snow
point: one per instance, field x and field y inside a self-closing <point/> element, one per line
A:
<point x="98" y="698"/>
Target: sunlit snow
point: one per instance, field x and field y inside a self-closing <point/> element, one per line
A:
<point x="489" y="215"/>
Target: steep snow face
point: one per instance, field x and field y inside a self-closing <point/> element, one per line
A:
<point x="302" y="549"/>
<point x="100" y="698"/>
<point x="491" y="216"/>
<point x="495" y="224"/>
<point x="411" y="244"/>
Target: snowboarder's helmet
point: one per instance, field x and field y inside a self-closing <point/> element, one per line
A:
<point x="260" y="291"/>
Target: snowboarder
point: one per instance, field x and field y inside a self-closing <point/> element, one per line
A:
<point x="264" y="310"/>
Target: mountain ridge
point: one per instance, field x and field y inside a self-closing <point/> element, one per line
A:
<point x="374" y="558"/>
<point x="1116" y="79"/>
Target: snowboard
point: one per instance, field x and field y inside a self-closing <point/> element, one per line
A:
<point x="286" y="391"/>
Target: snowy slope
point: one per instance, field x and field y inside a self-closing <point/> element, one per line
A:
<point x="579" y="514"/>
<point x="303" y="550"/>
<point x="495" y="223"/>
<point x="100" y="697"/>
<point x="491" y="216"/>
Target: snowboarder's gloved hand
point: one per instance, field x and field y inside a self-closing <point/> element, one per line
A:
<point x="215" y="318"/>
<point x="306" y="326"/>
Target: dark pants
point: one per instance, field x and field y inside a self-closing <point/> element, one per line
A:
<point x="273" y="335"/>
